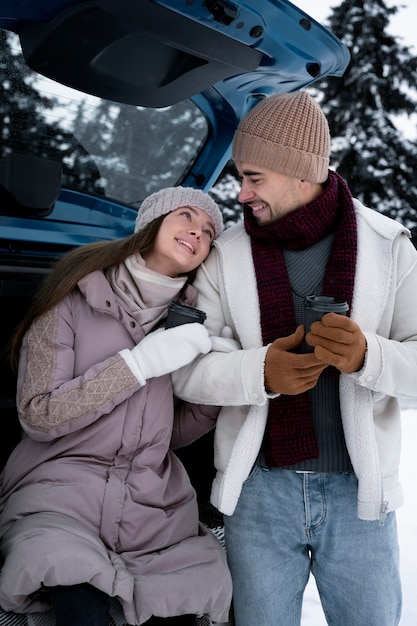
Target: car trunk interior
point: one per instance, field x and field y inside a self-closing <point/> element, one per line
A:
<point x="16" y="288"/>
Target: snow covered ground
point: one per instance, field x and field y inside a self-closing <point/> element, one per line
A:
<point x="407" y="531"/>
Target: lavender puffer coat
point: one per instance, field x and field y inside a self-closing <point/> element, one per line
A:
<point x="93" y="493"/>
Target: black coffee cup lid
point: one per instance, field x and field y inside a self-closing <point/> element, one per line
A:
<point x="326" y="304"/>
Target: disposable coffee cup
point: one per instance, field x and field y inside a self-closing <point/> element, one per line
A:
<point x="181" y="314"/>
<point x="317" y="306"/>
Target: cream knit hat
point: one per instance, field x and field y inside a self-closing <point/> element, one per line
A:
<point x="287" y="133"/>
<point x="171" y="198"/>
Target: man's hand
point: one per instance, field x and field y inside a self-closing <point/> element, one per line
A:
<point x="289" y="373"/>
<point x="338" y="341"/>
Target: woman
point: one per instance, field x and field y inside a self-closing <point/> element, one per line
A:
<point x="94" y="504"/>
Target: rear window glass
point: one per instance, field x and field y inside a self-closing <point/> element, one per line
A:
<point x="119" y="151"/>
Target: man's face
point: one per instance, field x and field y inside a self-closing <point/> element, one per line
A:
<point x="272" y="195"/>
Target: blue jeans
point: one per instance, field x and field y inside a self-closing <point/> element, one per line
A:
<point x="288" y="524"/>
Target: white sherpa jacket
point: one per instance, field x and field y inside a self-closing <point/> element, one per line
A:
<point x="385" y="307"/>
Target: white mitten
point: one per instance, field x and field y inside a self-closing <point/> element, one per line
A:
<point x="224" y="344"/>
<point x="164" y="351"/>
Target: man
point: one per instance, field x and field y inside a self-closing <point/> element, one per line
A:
<point x="307" y="444"/>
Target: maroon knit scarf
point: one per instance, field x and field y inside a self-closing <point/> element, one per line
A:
<point x="290" y="435"/>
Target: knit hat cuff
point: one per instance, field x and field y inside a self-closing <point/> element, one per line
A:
<point x="171" y="198"/>
<point x="279" y="158"/>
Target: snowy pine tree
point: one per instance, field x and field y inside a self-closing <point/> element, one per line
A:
<point x="225" y="193"/>
<point x="363" y="107"/>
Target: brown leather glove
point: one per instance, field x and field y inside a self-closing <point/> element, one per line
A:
<point x="338" y="341"/>
<point x="289" y="373"/>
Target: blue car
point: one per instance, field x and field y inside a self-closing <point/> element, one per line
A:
<point x="103" y="102"/>
<point x="106" y="101"/>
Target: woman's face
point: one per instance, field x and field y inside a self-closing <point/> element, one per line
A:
<point x="182" y="243"/>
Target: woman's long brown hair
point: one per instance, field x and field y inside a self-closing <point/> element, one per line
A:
<point x="76" y="264"/>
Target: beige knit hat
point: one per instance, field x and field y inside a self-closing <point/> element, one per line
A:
<point x="287" y="133"/>
<point x="171" y="198"/>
